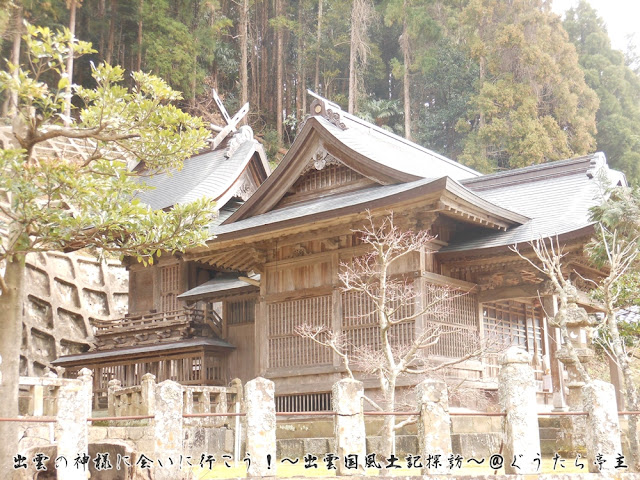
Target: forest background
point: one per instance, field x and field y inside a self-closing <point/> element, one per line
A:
<point x="493" y="84"/>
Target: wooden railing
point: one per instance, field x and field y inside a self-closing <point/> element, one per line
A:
<point x="149" y="320"/>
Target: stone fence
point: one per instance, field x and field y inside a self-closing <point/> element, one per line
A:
<point x="174" y="409"/>
<point x="140" y="400"/>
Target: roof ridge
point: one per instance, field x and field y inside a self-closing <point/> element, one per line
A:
<point x="540" y="167"/>
<point x="389" y="134"/>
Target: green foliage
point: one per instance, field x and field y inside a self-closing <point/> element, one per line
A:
<point x="617" y="86"/>
<point x="384" y="113"/>
<point x="271" y="144"/>
<point x="448" y="87"/>
<point x="532" y="104"/>
<point x="492" y="83"/>
<point x="70" y="202"/>
<point x="619" y="217"/>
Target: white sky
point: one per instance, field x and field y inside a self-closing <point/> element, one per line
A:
<point x="622" y="17"/>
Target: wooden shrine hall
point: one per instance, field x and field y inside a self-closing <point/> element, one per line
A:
<point x="230" y="308"/>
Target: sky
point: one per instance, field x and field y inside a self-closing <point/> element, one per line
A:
<point x="622" y="17"/>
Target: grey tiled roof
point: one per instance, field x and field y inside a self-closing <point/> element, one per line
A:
<point x="222" y="284"/>
<point x="556" y="203"/>
<point x="209" y="175"/>
<point x="333" y="202"/>
<point x="631" y="315"/>
<point x="192" y="342"/>
<point x="393" y="151"/>
<point x="364" y="198"/>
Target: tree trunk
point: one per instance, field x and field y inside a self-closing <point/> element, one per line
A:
<point x="352" y="59"/>
<point x="68" y="90"/>
<point x="300" y="63"/>
<point x="316" y="85"/>
<point x="280" y="72"/>
<point x="255" y="91"/>
<point x="10" y="342"/>
<point x="139" y="59"/>
<point x="112" y="32"/>
<point x="631" y="392"/>
<point x="362" y="14"/>
<point x="9" y="106"/>
<point x="264" y="59"/>
<point x="242" y="38"/>
<point x="388" y="427"/>
<point x="406" y="52"/>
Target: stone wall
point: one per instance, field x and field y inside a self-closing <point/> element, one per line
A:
<point x="64" y="292"/>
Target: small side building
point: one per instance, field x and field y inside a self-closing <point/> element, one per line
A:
<point x="160" y="334"/>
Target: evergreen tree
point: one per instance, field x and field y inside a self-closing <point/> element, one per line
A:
<point x="533" y="104"/>
<point x="617" y="86"/>
<point x="449" y="84"/>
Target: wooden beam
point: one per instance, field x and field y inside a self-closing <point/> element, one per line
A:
<point x="250" y="281"/>
<point x="448" y="281"/>
<point x="516" y="291"/>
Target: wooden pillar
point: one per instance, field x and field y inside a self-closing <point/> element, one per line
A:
<point x="261" y="328"/>
<point x="336" y="299"/>
<point x="550" y="307"/>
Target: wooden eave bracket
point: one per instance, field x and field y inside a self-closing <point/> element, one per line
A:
<point x="242" y="260"/>
<point x="456" y="209"/>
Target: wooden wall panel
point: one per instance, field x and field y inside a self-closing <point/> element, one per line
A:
<point x="141" y="290"/>
<point x="242" y="359"/>
<point x="292" y="277"/>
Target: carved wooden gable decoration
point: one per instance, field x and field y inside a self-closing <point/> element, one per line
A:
<point x="324" y="174"/>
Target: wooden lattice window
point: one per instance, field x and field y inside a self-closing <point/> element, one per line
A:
<point x="305" y="402"/>
<point x="360" y="325"/>
<point x="514" y="323"/>
<point x="169" y="287"/>
<point x="241" y="311"/>
<point x="457" y="324"/>
<point x="286" y="348"/>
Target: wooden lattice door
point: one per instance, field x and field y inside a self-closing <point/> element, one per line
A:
<point x="169" y="287"/>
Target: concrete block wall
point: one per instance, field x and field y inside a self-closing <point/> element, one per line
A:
<point x="64" y="293"/>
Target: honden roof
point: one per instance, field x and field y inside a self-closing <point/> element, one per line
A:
<point x="390" y="150"/>
<point x="537" y="201"/>
<point x="345" y="203"/>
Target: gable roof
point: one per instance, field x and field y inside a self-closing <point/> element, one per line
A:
<point x="367" y="149"/>
<point x="556" y="196"/>
<point x="209" y="174"/>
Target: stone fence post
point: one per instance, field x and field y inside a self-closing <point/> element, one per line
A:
<point x="259" y="397"/>
<point x="434" y="424"/>
<point x="148" y="394"/>
<point x="113" y="385"/>
<point x="72" y="433"/>
<point x="517" y="393"/>
<point x="348" y="397"/>
<point x="603" y="427"/>
<point x="168" y="433"/>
